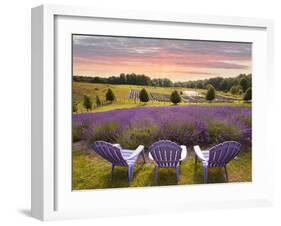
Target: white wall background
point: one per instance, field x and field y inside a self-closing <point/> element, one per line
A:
<point x="15" y="111"/>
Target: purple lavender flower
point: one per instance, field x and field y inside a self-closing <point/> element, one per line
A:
<point x="187" y="125"/>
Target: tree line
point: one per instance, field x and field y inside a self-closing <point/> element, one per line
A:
<point x="130" y="79"/>
<point x="239" y="83"/>
<point x="232" y="84"/>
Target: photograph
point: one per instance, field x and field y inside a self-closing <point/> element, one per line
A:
<point x="151" y="111"/>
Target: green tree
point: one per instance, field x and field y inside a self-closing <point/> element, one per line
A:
<point x="175" y="97"/>
<point x="122" y="78"/>
<point x="110" y="95"/>
<point x="144" y="95"/>
<point x="87" y="102"/>
<point x="244" y="84"/>
<point x="236" y="90"/>
<point x="98" y="102"/>
<point x="223" y="85"/>
<point x="211" y="93"/>
<point x="248" y="94"/>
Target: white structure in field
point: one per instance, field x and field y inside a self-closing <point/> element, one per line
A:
<point x="191" y="93"/>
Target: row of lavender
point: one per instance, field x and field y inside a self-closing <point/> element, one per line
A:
<point x="189" y="125"/>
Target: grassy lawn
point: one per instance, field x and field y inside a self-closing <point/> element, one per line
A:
<point x="91" y="171"/>
<point x="121" y="92"/>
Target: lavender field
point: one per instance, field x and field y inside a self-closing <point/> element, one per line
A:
<point x="188" y="125"/>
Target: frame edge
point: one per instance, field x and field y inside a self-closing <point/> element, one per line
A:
<point x="41" y="206"/>
<point x="37" y="65"/>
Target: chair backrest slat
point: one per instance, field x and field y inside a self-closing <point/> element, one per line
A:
<point x="221" y="154"/>
<point x="165" y="153"/>
<point x="109" y="152"/>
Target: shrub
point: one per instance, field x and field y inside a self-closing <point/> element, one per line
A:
<point x="189" y="125"/>
<point x="179" y="131"/>
<point x="109" y="96"/>
<point x="211" y="93"/>
<point x="143" y="95"/>
<point x="201" y="135"/>
<point x="220" y="131"/>
<point x="98" y="102"/>
<point x="175" y="97"/>
<point x="106" y="132"/>
<point x="140" y="132"/>
<point x="87" y="103"/>
<point x="236" y="90"/>
<point x="77" y="131"/>
<point x="248" y="94"/>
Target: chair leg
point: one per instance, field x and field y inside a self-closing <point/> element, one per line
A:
<point x="225" y="173"/>
<point x="143" y="157"/>
<point x="178" y="173"/>
<point x="130" y="173"/>
<point x="205" y="168"/>
<point x="112" y="171"/>
<point x="156" y="174"/>
<point x="195" y="165"/>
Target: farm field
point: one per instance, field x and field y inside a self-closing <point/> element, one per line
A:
<point x="127" y="96"/>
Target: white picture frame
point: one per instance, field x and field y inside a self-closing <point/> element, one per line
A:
<point x="52" y="198"/>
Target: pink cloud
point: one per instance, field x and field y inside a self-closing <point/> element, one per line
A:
<point x="103" y="56"/>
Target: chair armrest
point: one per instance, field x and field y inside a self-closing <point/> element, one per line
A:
<point x="150" y="156"/>
<point x="117" y="145"/>
<point x="136" y="152"/>
<point x="183" y="152"/>
<point x="183" y="147"/>
<point x="199" y="154"/>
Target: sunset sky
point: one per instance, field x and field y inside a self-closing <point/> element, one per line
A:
<point x="178" y="60"/>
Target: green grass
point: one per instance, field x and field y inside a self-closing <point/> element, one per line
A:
<point x="121" y="92"/>
<point x="91" y="172"/>
<point x="116" y="105"/>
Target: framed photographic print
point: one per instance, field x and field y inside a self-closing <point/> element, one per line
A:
<point x="153" y="112"/>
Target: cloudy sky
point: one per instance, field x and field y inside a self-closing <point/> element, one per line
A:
<point x="178" y="60"/>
